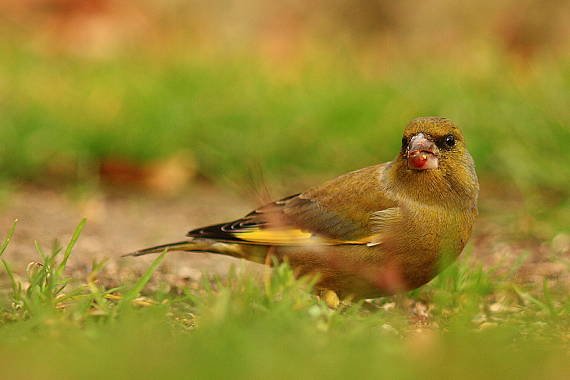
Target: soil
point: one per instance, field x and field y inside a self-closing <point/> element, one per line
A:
<point x="119" y="223"/>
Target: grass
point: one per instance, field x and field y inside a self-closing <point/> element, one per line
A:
<point x="470" y="322"/>
<point x="233" y="113"/>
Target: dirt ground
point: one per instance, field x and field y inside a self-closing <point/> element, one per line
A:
<point x="118" y="223"/>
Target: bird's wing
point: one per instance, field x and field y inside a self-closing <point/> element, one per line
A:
<point x="341" y="211"/>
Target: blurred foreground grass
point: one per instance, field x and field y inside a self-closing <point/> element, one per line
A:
<point x="61" y="116"/>
<point x="469" y="323"/>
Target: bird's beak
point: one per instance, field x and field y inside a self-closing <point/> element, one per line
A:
<point x="422" y="153"/>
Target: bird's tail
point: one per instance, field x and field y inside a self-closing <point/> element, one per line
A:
<point x="186" y="245"/>
<point x="204" y="245"/>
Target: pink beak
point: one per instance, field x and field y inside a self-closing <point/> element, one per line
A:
<point x="422" y="153"/>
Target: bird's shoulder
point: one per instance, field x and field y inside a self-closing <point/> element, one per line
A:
<point x="353" y="193"/>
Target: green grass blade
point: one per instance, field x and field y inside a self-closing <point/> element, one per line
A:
<point x="8" y="237"/>
<point x="15" y="287"/>
<point x="71" y="244"/>
<point x="134" y="292"/>
<point x="530" y="298"/>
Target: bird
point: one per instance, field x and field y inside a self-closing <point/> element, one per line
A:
<point x="373" y="232"/>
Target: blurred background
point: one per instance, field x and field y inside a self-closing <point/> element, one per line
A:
<point x="202" y="109"/>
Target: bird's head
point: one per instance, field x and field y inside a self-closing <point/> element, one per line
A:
<point x="434" y="160"/>
<point x="432" y="143"/>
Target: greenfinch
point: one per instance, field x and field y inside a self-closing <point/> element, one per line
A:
<point x="372" y="232"/>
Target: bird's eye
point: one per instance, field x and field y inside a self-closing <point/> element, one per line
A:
<point x="404" y="141"/>
<point x="450" y="140"/>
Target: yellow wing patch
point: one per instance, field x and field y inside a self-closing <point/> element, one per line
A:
<point x="288" y="236"/>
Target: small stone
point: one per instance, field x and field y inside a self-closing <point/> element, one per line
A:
<point x="390" y="329"/>
<point x="487" y="325"/>
<point x="497" y="308"/>
<point x="561" y="243"/>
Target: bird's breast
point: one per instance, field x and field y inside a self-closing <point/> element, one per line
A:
<point x="425" y="241"/>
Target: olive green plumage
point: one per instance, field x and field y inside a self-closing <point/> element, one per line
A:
<point x="372" y="232"/>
